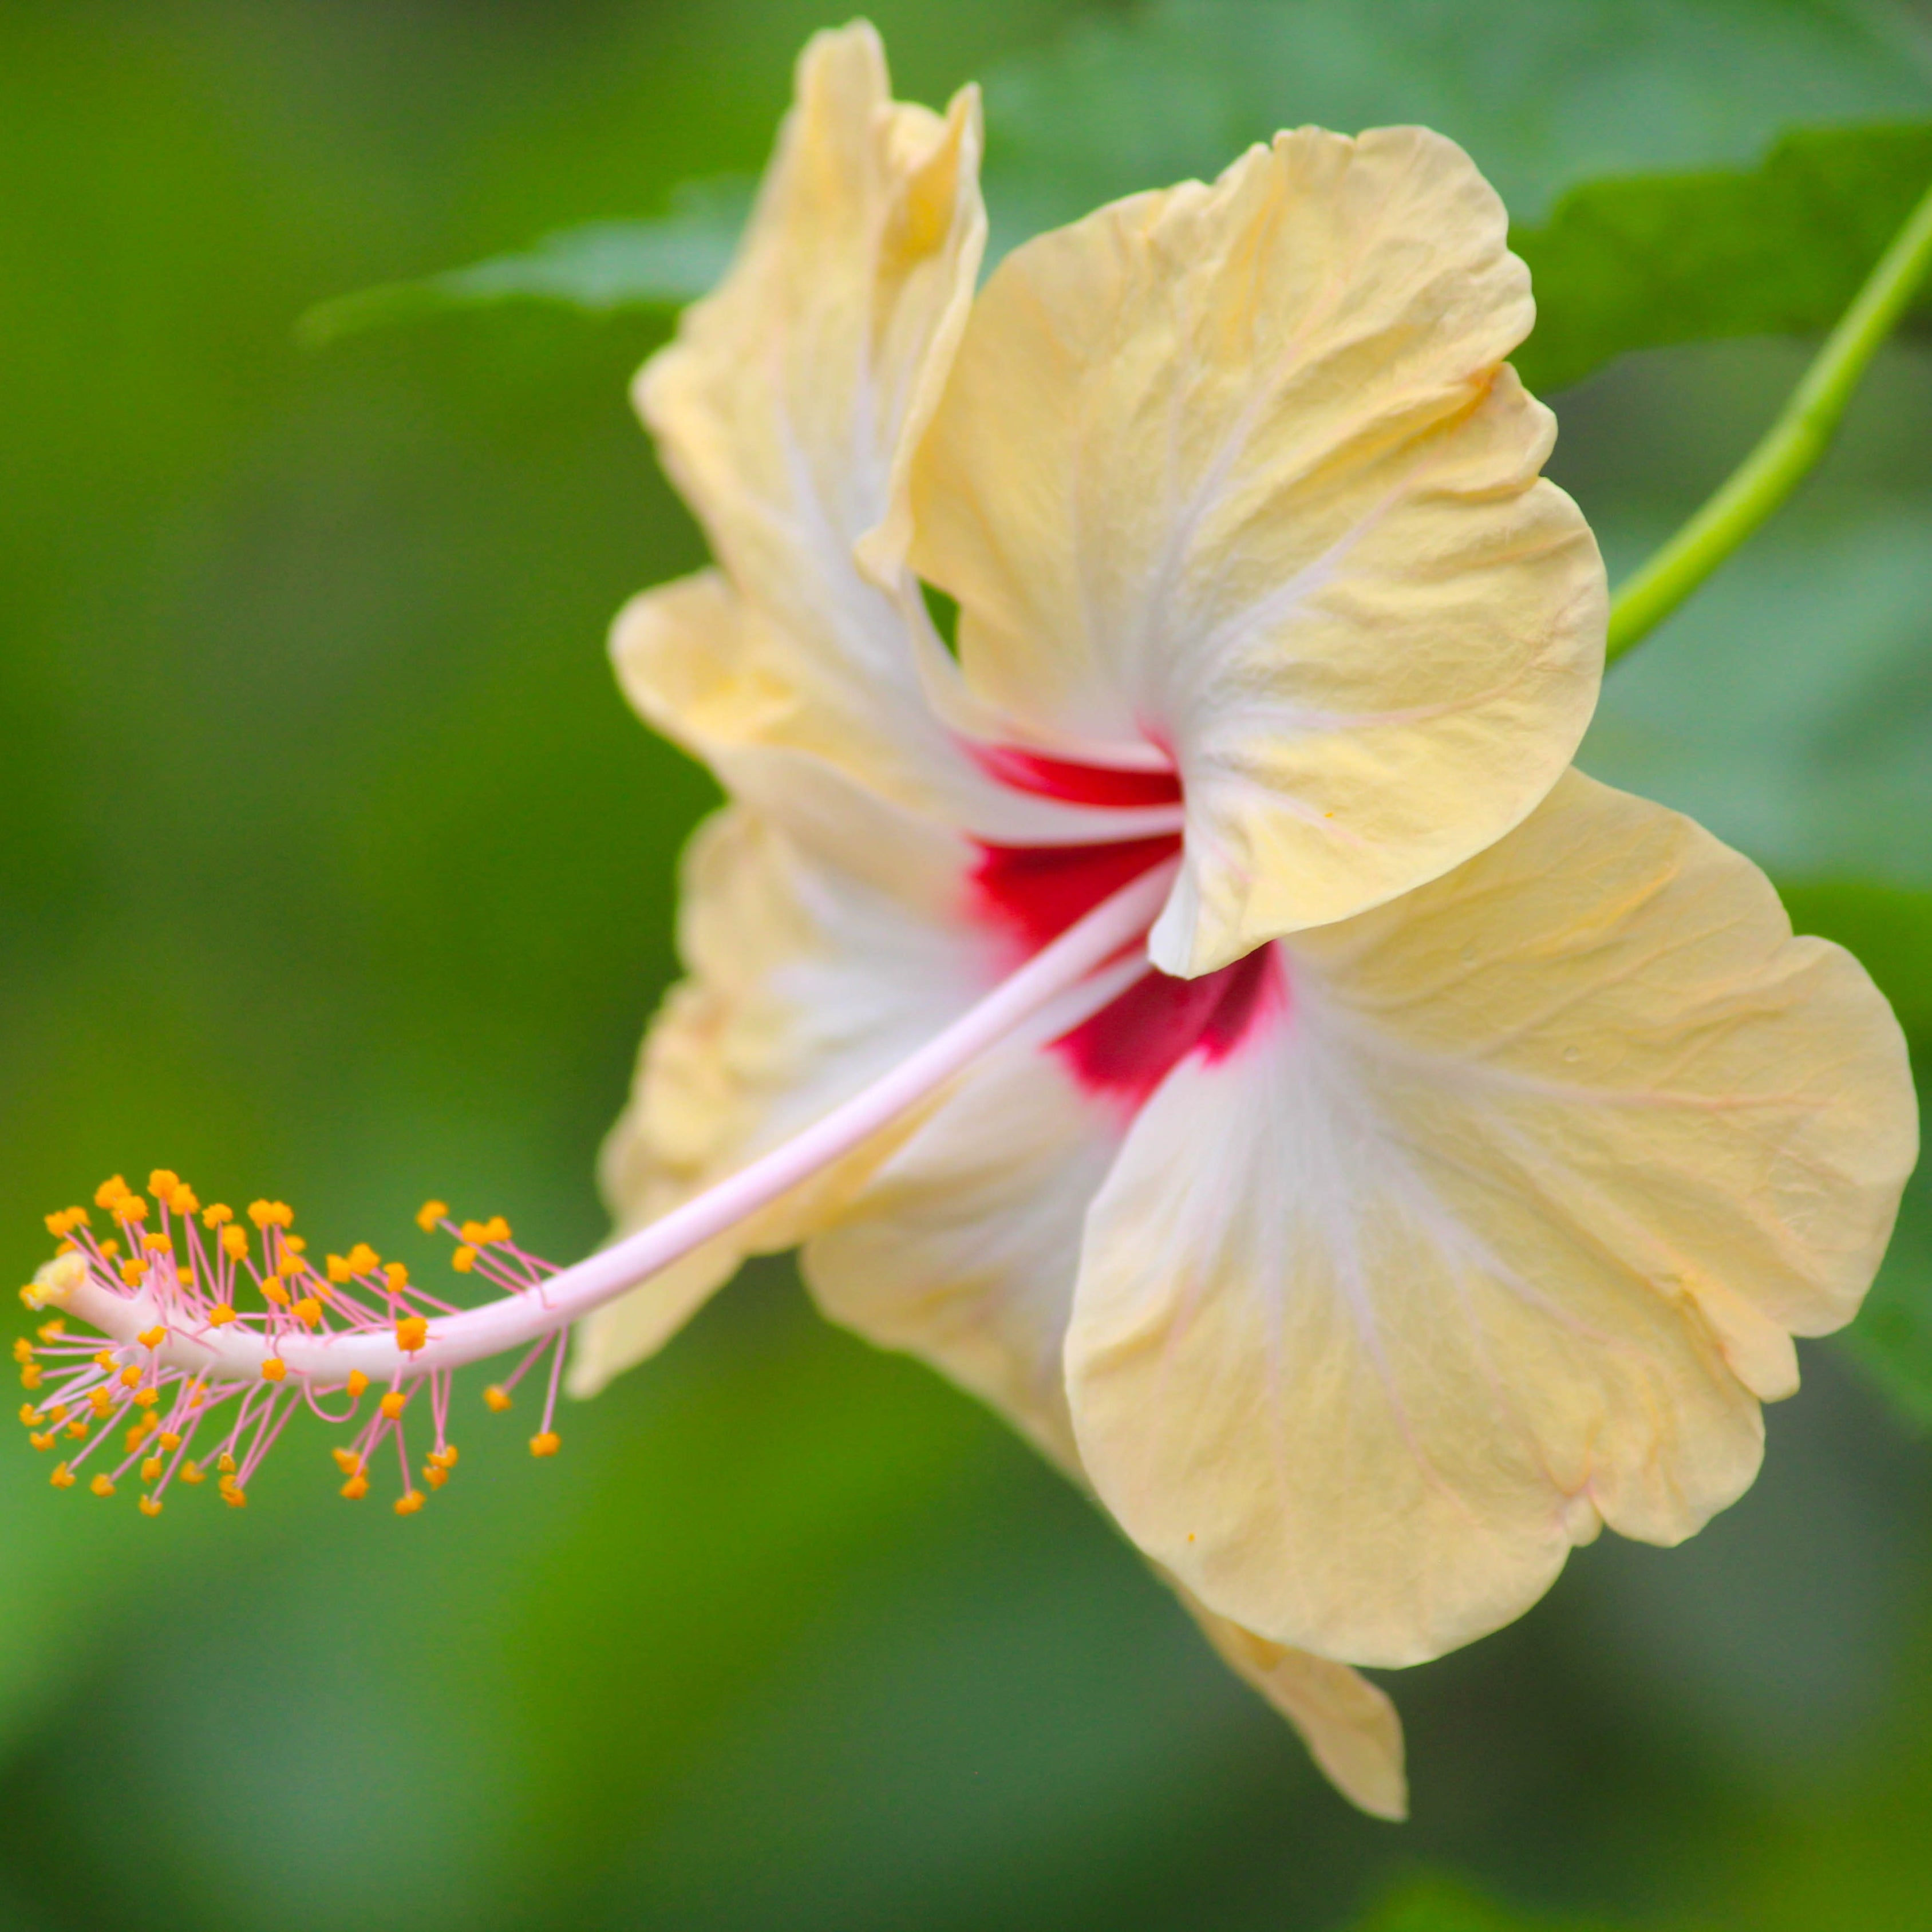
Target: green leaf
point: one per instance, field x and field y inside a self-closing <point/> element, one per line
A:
<point x="1543" y="97"/>
<point x="601" y="268"/>
<point x="1779" y="249"/>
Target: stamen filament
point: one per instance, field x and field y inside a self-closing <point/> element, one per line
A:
<point x="1073" y="976"/>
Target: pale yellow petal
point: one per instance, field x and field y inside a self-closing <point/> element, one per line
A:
<point x="807" y="980"/>
<point x="1491" y="1240"/>
<point x="1237" y="472"/>
<point x="961" y="1248"/>
<point x="786" y="409"/>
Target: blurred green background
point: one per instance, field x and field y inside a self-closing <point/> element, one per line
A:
<point x="335" y="869"/>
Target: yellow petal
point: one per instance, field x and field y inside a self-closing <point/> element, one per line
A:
<point x="961" y="1248"/>
<point x="1237" y="472"/>
<point x="786" y="409"/>
<point x="807" y="980"/>
<point x="1496" y="1236"/>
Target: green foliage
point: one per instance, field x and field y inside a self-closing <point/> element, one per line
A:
<point x="1548" y="99"/>
<point x="600" y="268"/>
<point x="1779" y="249"/>
<point x="1543" y="97"/>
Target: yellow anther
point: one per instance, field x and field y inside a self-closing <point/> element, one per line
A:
<point x="102" y="1485"/>
<point x="356" y="1487"/>
<point x="132" y="1270"/>
<point x="234" y="1498"/>
<point x="157" y="1244"/>
<point x="397" y="1275"/>
<point x="42" y="1441"/>
<point x="110" y="1249"/>
<point x="146" y="1398"/>
<point x="151" y="1506"/>
<point x="294" y="1243"/>
<point x="187" y="1277"/>
<point x="23" y="1349"/>
<point x="444" y="1458"/>
<point x="51" y="1331"/>
<point x="106" y="1358"/>
<point x="77" y="1429"/>
<point x="224" y="1464"/>
<point x="163" y="1180"/>
<point x="497" y="1397"/>
<point x="137" y="1435"/>
<point x="262" y="1213"/>
<point x="308" y="1311"/>
<point x="217" y="1215"/>
<point x="272" y="1290"/>
<point x="183" y="1201"/>
<point x="130" y="1211"/>
<point x="30" y="1296"/>
<point x="31" y="1374"/>
<point x="62" y="1477"/>
<point x="102" y="1401"/>
<point x="130" y="1376"/>
<point x="347" y="1461"/>
<point x="57" y="1413"/>
<point x="548" y="1444"/>
<point x="220" y="1316"/>
<point x="408" y="1502"/>
<point x="357" y="1382"/>
<point x="31" y="1417"/>
<point x="152" y="1338"/>
<point x="109" y="1191"/>
<point x="427" y="1215"/>
<point x="151" y="1470"/>
<point x="412" y="1332"/>
<point x="463" y="1260"/>
<point x="495" y="1229"/>
<point x="274" y="1370"/>
<point x="235" y="1240"/>
<point x="191" y="1472"/>
<point x="339" y="1270"/>
<point x="434" y="1477"/>
<point x="475" y="1234"/>
<point x="170" y="1441"/>
<point x="392" y="1403"/>
<point x="363" y="1259"/>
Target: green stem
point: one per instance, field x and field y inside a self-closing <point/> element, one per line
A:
<point x="1789" y="447"/>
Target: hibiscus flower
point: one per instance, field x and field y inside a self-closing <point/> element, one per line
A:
<point x="1448" y="1174"/>
<point x="1199" y="1008"/>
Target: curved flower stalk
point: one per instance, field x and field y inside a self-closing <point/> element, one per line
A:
<point x="1204" y="1014"/>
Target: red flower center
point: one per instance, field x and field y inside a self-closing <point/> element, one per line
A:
<point x="1034" y="892"/>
